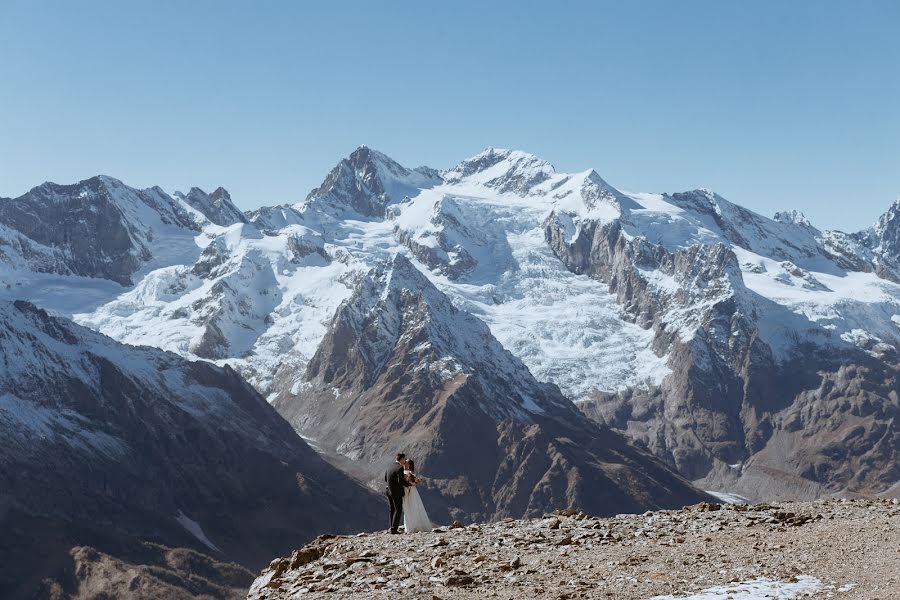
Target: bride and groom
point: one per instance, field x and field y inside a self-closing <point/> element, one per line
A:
<point x="404" y="498"/>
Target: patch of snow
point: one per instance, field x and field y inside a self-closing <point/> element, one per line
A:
<point x="727" y="497"/>
<point x="195" y="530"/>
<point x="757" y="589"/>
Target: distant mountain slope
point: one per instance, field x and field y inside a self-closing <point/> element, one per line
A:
<point x="760" y="323"/>
<point x="105" y="445"/>
<point x="401" y="369"/>
<point x="692" y="324"/>
<point x="97" y="228"/>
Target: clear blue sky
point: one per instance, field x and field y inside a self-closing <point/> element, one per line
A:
<point x="772" y="104"/>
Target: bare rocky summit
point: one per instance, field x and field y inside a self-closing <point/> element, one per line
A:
<point x="848" y="549"/>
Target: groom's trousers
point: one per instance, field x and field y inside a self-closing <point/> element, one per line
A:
<point x="396" y="510"/>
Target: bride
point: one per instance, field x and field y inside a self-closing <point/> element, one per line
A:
<point x="415" y="519"/>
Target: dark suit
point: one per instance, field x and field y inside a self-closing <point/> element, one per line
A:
<point x="395" y="490"/>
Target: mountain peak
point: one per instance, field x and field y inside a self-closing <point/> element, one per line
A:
<point x="95" y="184"/>
<point x="890" y="218"/>
<point x="887" y="232"/>
<point x="792" y="217"/>
<point x="365" y="183"/>
<point x="502" y="169"/>
<point x="220" y="192"/>
<point x="396" y="309"/>
<point x="403" y="275"/>
<point x="217" y="206"/>
<point x="401" y="368"/>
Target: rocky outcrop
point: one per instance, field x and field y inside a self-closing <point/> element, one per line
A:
<point x="710" y="342"/>
<point x="401" y="369"/>
<point x="729" y="551"/>
<point x="126" y="445"/>
<point x="458" y="240"/>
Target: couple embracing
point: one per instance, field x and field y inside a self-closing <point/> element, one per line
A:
<point x="404" y="498"/>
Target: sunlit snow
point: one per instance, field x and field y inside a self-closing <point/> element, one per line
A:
<point x="273" y="287"/>
<point x="758" y="589"/>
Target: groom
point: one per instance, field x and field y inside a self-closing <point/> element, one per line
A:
<point x="396" y="488"/>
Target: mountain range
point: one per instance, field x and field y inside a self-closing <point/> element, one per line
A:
<point x="535" y="339"/>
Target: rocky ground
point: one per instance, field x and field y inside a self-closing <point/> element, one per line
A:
<point x="825" y="549"/>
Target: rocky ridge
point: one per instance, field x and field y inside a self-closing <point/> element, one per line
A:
<point x="825" y="549"/>
<point x="736" y="376"/>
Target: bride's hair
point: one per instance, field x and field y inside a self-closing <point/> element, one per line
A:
<point x="412" y="465"/>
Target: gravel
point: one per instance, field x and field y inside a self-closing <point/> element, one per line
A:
<point x="847" y="549"/>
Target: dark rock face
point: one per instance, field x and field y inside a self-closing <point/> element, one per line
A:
<point x="95" y="228"/>
<point x="125" y="445"/>
<point x="888" y="232"/>
<point x="217" y="206"/>
<point x="727" y="401"/>
<point x="401" y="369"/>
<point x="840" y="430"/>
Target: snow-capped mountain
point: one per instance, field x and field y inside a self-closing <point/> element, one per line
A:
<point x="217" y="207"/>
<point x="366" y="183"/>
<point x="400" y="368"/>
<point x="756" y="315"/>
<point x="694" y="325"/>
<point x="110" y="446"/>
<point x="98" y="228"/>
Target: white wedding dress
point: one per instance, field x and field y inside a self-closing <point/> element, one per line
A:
<point x="415" y="519"/>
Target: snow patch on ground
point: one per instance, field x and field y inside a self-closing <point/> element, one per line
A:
<point x="195" y="530"/>
<point x="758" y="589"/>
<point x="728" y="498"/>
